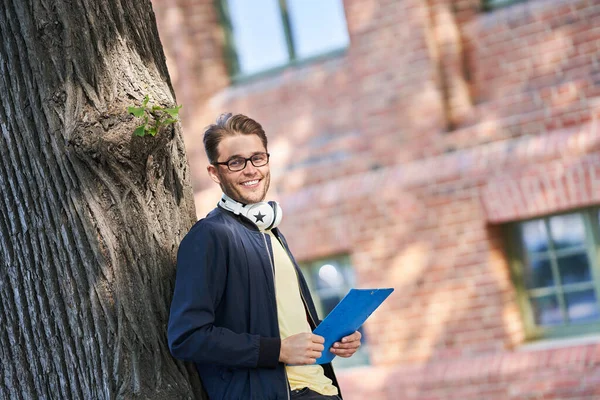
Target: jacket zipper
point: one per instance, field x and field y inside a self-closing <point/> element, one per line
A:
<point x="306" y="305"/>
<point x="264" y="236"/>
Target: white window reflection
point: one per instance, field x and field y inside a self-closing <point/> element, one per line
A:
<point x="258" y="34"/>
<point x="567" y="230"/>
<point x="582" y="306"/>
<point x="318" y="26"/>
<point x="534" y="236"/>
<point x="330" y="276"/>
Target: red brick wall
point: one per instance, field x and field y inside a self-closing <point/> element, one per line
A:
<point x="558" y="373"/>
<point x="408" y="152"/>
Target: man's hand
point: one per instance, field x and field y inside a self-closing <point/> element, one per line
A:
<point x="301" y="349"/>
<point x="347" y="346"/>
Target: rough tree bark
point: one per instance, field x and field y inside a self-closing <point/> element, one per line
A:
<point x="90" y="216"/>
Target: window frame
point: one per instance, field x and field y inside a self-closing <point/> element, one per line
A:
<point x="230" y="54"/>
<point x="516" y="256"/>
<point x="488" y="5"/>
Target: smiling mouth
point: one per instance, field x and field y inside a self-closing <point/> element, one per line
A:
<point x="250" y="183"/>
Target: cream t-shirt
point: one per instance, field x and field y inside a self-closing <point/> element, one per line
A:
<point x="292" y="320"/>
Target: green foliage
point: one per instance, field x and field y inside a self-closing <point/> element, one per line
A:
<point x="163" y="116"/>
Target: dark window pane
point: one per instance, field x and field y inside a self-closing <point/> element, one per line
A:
<point x="567" y="231"/>
<point x="574" y="268"/>
<point x="329" y="303"/>
<point x="538" y="274"/>
<point x="546" y="310"/>
<point x="534" y="236"/>
<point x="258" y="34"/>
<point x="318" y="26"/>
<point x="349" y="276"/>
<point x="582" y="306"/>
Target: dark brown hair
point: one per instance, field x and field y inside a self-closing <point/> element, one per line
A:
<point x="228" y="124"/>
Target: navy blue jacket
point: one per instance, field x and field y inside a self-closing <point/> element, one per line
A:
<point x="224" y="312"/>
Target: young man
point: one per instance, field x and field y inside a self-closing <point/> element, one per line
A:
<point x="242" y="311"/>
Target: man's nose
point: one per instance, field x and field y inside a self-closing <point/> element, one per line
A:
<point x="250" y="168"/>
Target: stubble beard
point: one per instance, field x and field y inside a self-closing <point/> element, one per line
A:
<point x="234" y="191"/>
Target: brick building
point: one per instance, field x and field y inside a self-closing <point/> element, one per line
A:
<point x="444" y="148"/>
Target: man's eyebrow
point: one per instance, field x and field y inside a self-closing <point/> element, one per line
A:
<point x="241" y="156"/>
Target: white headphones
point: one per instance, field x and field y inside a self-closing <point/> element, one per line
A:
<point x="265" y="215"/>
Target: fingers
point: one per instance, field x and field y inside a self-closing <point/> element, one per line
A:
<point x="315" y="343"/>
<point x="311" y="337"/>
<point x="301" y="349"/>
<point x="347" y="346"/>
<point x="349" y="342"/>
<point x="312" y="357"/>
<point x="345" y="355"/>
<point x="317" y="338"/>
<point x="344" y="352"/>
<point x="353" y="337"/>
<point x="315" y="348"/>
<point x="347" y="351"/>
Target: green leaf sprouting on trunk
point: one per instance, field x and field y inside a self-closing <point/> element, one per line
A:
<point x="163" y="116"/>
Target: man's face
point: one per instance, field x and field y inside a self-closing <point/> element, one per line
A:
<point x="249" y="185"/>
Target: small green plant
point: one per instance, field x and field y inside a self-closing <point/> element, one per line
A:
<point x="162" y="117"/>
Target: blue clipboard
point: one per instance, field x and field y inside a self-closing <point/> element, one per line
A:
<point x="350" y="313"/>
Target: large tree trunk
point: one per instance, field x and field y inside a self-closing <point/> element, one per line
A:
<point x="90" y="216"/>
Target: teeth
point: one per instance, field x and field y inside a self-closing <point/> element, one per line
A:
<point x="250" y="183"/>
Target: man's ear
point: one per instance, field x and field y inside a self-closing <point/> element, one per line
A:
<point x="212" y="172"/>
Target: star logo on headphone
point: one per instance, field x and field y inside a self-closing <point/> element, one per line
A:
<point x="259" y="217"/>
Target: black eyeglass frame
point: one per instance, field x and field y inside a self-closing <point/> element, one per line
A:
<point x="245" y="162"/>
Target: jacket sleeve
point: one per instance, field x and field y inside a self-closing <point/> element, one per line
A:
<point x="199" y="285"/>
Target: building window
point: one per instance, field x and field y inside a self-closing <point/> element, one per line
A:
<point x="556" y="273"/>
<point x="329" y="280"/>
<point x="494" y="4"/>
<point x="268" y="34"/>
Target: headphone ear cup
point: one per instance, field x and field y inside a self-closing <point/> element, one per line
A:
<point x="261" y="214"/>
<point x="277" y="214"/>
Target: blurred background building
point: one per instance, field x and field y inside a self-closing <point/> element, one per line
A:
<point x="446" y="148"/>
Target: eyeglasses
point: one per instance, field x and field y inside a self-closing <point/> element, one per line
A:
<point x="236" y="164"/>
